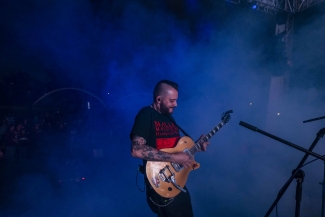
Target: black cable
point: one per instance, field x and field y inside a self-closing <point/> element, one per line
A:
<point x="311" y="161"/>
<point x="136" y="179"/>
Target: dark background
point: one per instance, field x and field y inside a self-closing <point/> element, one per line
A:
<point x="112" y="53"/>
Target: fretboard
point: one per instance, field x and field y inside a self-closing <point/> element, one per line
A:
<point x="197" y="146"/>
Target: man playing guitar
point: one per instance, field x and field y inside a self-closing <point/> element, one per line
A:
<point x="155" y="129"/>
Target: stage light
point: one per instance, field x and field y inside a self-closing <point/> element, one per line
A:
<point x="250" y="103"/>
<point x="108" y="93"/>
<point x="278" y="113"/>
<point x="254" y="6"/>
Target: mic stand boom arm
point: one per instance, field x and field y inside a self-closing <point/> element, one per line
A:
<point x="308" y="152"/>
<point x="314" y="119"/>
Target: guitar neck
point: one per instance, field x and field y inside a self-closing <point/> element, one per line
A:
<point x="208" y="136"/>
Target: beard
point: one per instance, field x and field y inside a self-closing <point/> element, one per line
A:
<point x="165" y="110"/>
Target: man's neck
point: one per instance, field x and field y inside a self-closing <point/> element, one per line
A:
<point x="156" y="107"/>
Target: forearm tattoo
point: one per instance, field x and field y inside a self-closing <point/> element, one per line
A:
<point x="147" y="152"/>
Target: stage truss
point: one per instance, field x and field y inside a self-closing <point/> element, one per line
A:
<point x="275" y="6"/>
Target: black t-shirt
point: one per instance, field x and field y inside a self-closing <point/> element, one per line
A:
<point x="157" y="129"/>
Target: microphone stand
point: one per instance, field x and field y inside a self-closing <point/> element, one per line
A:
<point x="300" y="175"/>
<point x="314" y="119"/>
<point x="323" y="192"/>
<point x="322" y="183"/>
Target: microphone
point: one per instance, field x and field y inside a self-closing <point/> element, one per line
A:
<point x="251" y="127"/>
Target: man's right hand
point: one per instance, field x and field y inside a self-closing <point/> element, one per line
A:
<point x="183" y="159"/>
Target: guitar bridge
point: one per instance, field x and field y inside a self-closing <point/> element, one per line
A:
<point x="171" y="178"/>
<point x="163" y="176"/>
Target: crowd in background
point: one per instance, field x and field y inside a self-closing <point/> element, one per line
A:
<point x="20" y="136"/>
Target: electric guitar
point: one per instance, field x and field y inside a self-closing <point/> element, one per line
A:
<point x="168" y="179"/>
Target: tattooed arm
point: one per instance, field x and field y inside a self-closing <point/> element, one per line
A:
<point x="139" y="149"/>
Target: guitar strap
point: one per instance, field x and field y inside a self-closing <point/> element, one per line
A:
<point x="179" y="126"/>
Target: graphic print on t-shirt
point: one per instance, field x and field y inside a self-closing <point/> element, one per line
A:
<point x="167" y="134"/>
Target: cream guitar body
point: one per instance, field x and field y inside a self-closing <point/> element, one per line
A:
<point x="168" y="179"/>
<point x="160" y="174"/>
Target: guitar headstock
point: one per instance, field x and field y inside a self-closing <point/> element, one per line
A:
<point x="225" y="117"/>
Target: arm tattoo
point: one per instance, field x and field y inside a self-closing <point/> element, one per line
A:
<point x="148" y="152"/>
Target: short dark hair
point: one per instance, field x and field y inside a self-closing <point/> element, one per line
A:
<point x="159" y="89"/>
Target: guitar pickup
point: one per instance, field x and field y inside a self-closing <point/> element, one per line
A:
<point x="178" y="167"/>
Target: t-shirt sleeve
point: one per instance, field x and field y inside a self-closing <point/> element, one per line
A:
<point x="142" y="124"/>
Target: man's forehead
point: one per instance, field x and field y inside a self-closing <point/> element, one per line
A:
<point x="171" y="91"/>
<point x="171" y="94"/>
